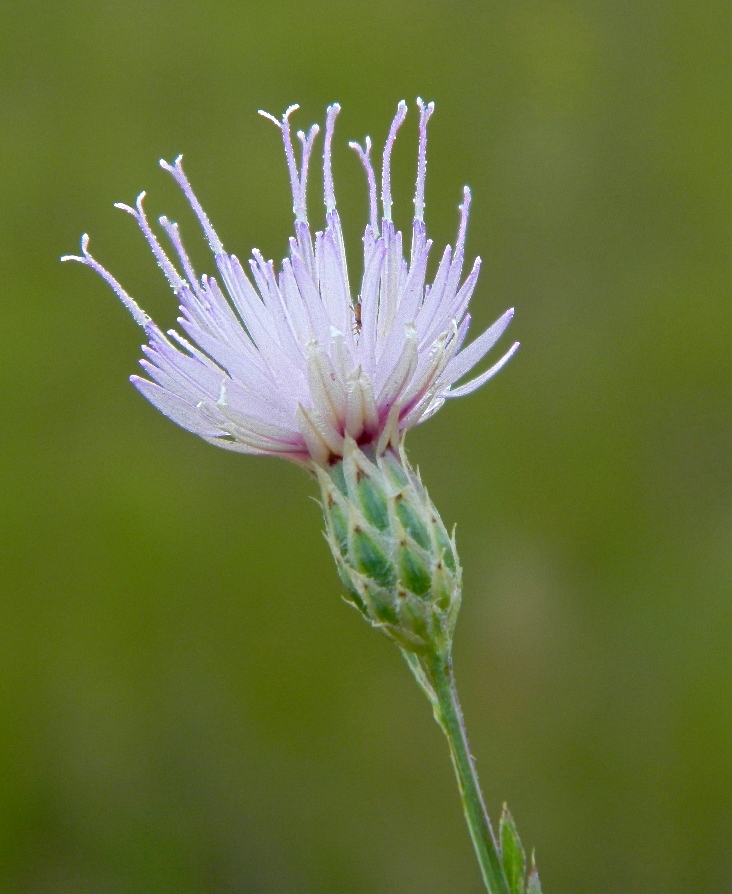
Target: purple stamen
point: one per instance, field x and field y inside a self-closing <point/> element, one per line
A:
<point x="298" y="205"/>
<point x="171" y="274"/>
<point x="173" y="234"/>
<point x="307" y="148"/>
<point x="425" y="112"/>
<point x="329" y="191"/>
<point x="365" y="156"/>
<point x="176" y="169"/>
<point x="138" y="314"/>
<point x="386" y="202"/>
<point x="464" y="213"/>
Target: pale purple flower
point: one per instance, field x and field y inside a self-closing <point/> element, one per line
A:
<point x="291" y="363"/>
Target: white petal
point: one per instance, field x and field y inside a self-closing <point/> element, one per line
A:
<point x="476" y="350"/>
<point x="369" y="299"/>
<point x="321" y="439"/>
<point x="361" y="411"/>
<point x="327" y="390"/>
<point x="473" y="384"/>
<point x="400" y="375"/>
<point x="174" y="407"/>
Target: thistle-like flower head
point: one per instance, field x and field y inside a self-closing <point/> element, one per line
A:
<point x="291" y="363"/>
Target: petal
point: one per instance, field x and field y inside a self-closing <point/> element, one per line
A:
<point x="184" y="414"/>
<point x="474" y="384"/>
<point x="476" y="350"/>
<point x="327" y="390"/>
<point x="401" y="374"/>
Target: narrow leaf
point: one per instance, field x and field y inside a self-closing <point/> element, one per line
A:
<point x="514" y="858"/>
<point x="534" y="886"/>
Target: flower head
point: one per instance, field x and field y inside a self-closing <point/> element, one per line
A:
<point x="292" y="363"/>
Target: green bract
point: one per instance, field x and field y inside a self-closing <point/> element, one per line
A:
<point x="394" y="554"/>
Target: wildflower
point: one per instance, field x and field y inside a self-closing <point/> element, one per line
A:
<point x="291" y="363"/>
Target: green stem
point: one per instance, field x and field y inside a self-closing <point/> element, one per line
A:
<point x="450" y="717"/>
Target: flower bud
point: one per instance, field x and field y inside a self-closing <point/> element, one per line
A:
<point x="393" y="553"/>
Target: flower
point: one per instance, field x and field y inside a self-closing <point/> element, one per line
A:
<point x="291" y="364"/>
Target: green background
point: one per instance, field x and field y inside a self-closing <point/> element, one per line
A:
<point x="186" y="705"/>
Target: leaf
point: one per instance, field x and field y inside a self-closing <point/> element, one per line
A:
<point x="514" y="858"/>
<point x="534" y="886"/>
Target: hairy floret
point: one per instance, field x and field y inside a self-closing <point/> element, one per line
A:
<point x="292" y="363"/>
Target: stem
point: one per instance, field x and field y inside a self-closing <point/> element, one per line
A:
<point x="450" y="717"/>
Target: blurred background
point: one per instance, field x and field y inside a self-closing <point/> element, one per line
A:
<point x="186" y="705"/>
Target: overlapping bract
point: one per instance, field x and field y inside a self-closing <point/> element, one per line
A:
<point x="393" y="553"/>
<point x="290" y="363"/>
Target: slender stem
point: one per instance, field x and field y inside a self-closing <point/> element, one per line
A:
<point x="450" y="717"/>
